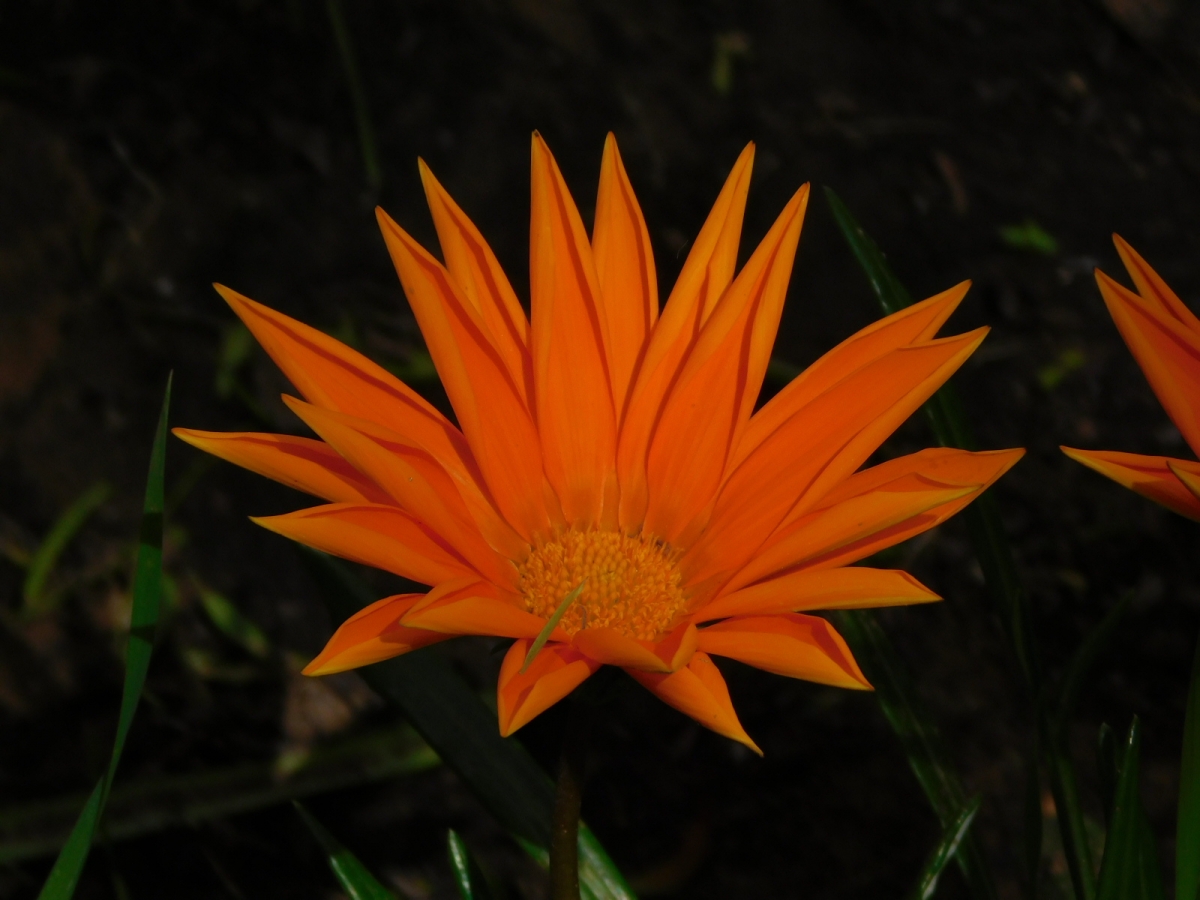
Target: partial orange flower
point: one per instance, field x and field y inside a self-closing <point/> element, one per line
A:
<point x="1164" y="336"/>
<point x="608" y="458"/>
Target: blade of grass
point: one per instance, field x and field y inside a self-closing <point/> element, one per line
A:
<point x="994" y="554"/>
<point x="228" y="619"/>
<point x="358" y="96"/>
<point x="1096" y="642"/>
<point x="544" y="635"/>
<point x="945" y="851"/>
<point x="922" y="746"/>
<point x="1187" y="834"/>
<point x="147" y="590"/>
<point x="468" y="877"/>
<point x="351" y="874"/>
<point x="37" y="601"/>
<point x="1127" y="869"/>
<point x="463" y="732"/>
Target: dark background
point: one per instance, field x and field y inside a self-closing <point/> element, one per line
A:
<point x="148" y="149"/>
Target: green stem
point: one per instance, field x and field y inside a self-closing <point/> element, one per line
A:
<point x="568" y="798"/>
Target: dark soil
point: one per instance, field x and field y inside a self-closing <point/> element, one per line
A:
<point x="148" y="149"/>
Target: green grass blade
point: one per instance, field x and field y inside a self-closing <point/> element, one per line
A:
<point x="945" y="851"/>
<point x="468" y="877"/>
<point x="544" y="635"/>
<point x="147" y="591"/>
<point x="351" y="874"/>
<point x="1120" y="869"/>
<point x="36" y="600"/>
<point x="463" y="732"/>
<point x="1187" y="835"/>
<point x="1085" y="658"/>
<point x="358" y="95"/>
<point x="228" y="619"/>
<point x="918" y="736"/>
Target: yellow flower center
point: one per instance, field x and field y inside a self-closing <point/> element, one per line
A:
<point x="632" y="583"/>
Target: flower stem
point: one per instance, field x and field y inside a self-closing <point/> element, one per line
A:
<point x="568" y="797"/>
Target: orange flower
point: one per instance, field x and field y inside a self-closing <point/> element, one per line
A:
<point x="606" y="457"/>
<point x="1164" y="336"/>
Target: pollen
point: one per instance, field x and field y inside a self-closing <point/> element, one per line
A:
<point x="630" y="584"/>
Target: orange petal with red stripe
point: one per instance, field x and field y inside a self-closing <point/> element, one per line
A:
<point x="412" y="478"/>
<point x="329" y="374"/>
<point x="575" y="411"/>
<point x="1167" y="350"/>
<point x="1154" y="477"/>
<point x="878" y="508"/>
<point x="474" y="611"/>
<point x="850" y="587"/>
<point x="385" y="537"/>
<point x="300" y="463"/>
<point x="916" y="323"/>
<point x="372" y="635"/>
<point x="818" y="447"/>
<point x="793" y="645"/>
<point x="719" y="384"/>
<point x="699" y="691"/>
<point x="706" y="273"/>
<point x="555" y="672"/>
<point x="477" y="273"/>
<point x="624" y="271"/>
<point x="612" y="648"/>
<point x="1152" y="288"/>
<point x="489" y="408"/>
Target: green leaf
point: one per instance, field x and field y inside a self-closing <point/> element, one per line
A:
<point x="1031" y="236"/>
<point x="351" y="874"/>
<point x="147" y="591"/>
<point x="1108" y="768"/>
<point x="468" y="877"/>
<point x="37" y="601"/>
<point x="946" y="850"/>
<point x="228" y="619"/>
<point x="1187" y="835"/>
<point x="463" y="732"/>
<point x="922" y="746"/>
<point x="1129" y="869"/>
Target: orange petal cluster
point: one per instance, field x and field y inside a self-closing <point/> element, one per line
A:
<point x="1164" y="336"/>
<point x="609" y="456"/>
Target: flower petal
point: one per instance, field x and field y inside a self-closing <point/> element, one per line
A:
<point x="850" y="587"/>
<point x="477" y="273"/>
<point x="490" y="410"/>
<point x="575" y="413"/>
<point x="720" y="382"/>
<point x="300" y="463"/>
<point x="916" y="323"/>
<point x="878" y="508"/>
<point x="612" y="648"/>
<point x="1152" y="288"/>
<point x="794" y="645"/>
<point x="624" y="271"/>
<point x="327" y="373"/>
<point x="1154" y="477"/>
<point x="1167" y="351"/>
<point x="414" y="480"/>
<point x="477" y="610"/>
<point x="706" y="273"/>
<point x="555" y="672"/>
<point x="818" y="447"/>
<point x="699" y="691"/>
<point x="385" y="537"/>
<point x="372" y="635"/>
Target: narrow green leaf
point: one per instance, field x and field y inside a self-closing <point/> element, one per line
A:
<point x="1120" y="869"/>
<point x="358" y="95"/>
<point x="1108" y="770"/>
<point x="147" y="591"/>
<point x="1080" y="668"/>
<point x="946" y="849"/>
<point x="37" y="601"/>
<point x="1187" y="835"/>
<point x="351" y="874"/>
<point x="1031" y="236"/>
<point x="544" y="635"/>
<point x="463" y="732"/>
<point x="228" y="619"/>
<point x="468" y="877"/>
<point x="918" y="736"/>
